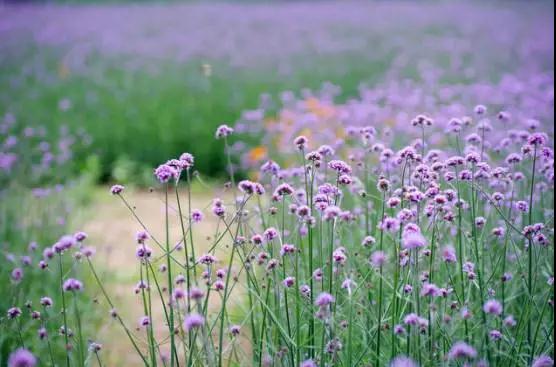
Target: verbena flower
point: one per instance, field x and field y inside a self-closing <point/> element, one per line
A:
<point x="324" y="299"/>
<point x="543" y="361"/>
<point x="462" y="350"/>
<point x="193" y="321"/>
<point x="72" y="285"/>
<point x="116" y="189"/>
<point x="164" y="173"/>
<point x="402" y="361"/>
<point x="493" y="307"/>
<point x="22" y="358"/>
<point x="223" y="131"/>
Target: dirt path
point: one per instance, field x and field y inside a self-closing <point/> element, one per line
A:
<point x="112" y="228"/>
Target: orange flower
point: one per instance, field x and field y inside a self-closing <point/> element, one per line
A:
<point x="321" y="110"/>
<point x="257" y="153"/>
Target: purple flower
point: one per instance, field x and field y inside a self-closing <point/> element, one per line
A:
<point x="80" y="236"/>
<point x="543" y="361"/>
<point x="326" y="150"/>
<point x="72" y="285"/>
<point x="449" y="254"/>
<point x="207" y="259"/>
<point x="378" y="258"/>
<point x="522" y="206"/>
<point x="142" y="236"/>
<point x="412" y="240"/>
<point x="193" y="321"/>
<point x="495" y="335"/>
<point x="383" y="185"/>
<point x="422" y="120"/>
<point x="339" y="166"/>
<point x="270" y="167"/>
<point x="462" y="350"/>
<point x="46" y="301"/>
<point x="480" y="110"/>
<point x="64" y="243"/>
<point x="287" y="249"/>
<point x="197" y="215"/>
<point x="411" y="319"/>
<point x="247" y="187"/>
<point x="345" y="180"/>
<point x="187" y="160"/>
<point x="430" y="290"/>
<point x="509" y="321"/>
<point x="144" y="321"/>
<point x="390" y="224"/>
<point x="270" y="234"/>
<point x="22" y="358"/>
<point x="178" y="294"/>
<point x="196" y="293"/>
<point x="116" y="189"/>
<point x="13" y="312"/>
<point x="492" y="307"/>
<point x="324" y="299"/>
<point x="331" y="212"/>
<point x="288" y="282"/>
<point x="402" y="361"/>
<point x="284" y="189"/>
<point x="235" y="330"/>
<point x="143" y="252"/>
<point x="308" y="363"/>
<point x="368" y="241"/>
<point x="537" y="139"/>
<point x="314" y="157"/>
<point x="218" y="208"/>
<point x="223" y="131"/>
<point x="17" y="275"/>
<point x="399" y="330"/>
<point x="301" y="142"/>
<point x="165" y="173"/>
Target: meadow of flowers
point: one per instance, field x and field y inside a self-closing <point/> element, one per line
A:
<point x="134" y="75"/>
<point x="411" y="255"/>
<point x="399" y="215"/>
<point x="39" y="194"/>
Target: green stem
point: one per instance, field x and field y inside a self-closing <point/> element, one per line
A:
<point x="173" y="352"/>
<point x="64" y="311"/>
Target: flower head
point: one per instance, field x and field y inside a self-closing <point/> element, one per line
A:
<point x="193" y="321"/>
<point x="165" y="173"/>
<point x="116" y="189"/>
<point x="22" y="358"/>
<point x="413" y="240"/>
<point x="223" y="131"/>
<point x="492" y="307"/>
<point x="543" y="361"/>
<point x="402" y="361"/>
<point x="72" y="285"/>
<point x="324" y="299"/>
<point x="462" y="350"/>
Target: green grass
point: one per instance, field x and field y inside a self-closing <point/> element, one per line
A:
<point x="25" y="219"/>
<point x="138" y="119"/>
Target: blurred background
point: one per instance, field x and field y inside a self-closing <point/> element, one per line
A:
<point x="135" y="83"/>
<point x="97" y="92"/>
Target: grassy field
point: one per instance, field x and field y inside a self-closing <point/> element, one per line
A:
<point x="153" y="87"/>
<point x="136" y="119"/>
<point x="299" y="267"/>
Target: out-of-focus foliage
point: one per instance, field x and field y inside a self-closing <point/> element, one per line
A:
<point x="159" y="82"/>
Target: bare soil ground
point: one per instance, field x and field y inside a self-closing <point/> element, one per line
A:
<point x="112" y="228"/>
